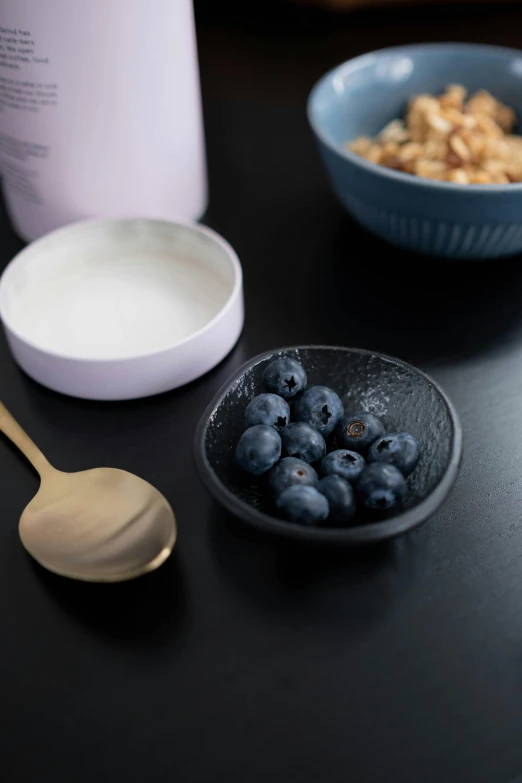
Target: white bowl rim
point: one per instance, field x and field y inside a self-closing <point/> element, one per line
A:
<point x="376" y="168"/>
<point x="70" y="228"/>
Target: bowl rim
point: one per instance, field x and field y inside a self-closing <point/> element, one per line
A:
<point x="235" y="289"/>
<point x="375" y="168"/>
<point x="361" y="534"/>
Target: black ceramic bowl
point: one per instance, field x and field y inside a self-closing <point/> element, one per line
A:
<point x="402" y="396"/>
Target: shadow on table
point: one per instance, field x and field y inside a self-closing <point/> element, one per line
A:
<point x="299" y="585"/>
<point x="420" y="307"/>
<point x="148" y="414"/>
<point x="144" y="613"/>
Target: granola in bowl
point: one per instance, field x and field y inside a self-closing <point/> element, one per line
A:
<point x="450" y="138"/>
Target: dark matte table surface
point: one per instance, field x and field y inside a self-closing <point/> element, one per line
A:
<point x="242" y="660"/>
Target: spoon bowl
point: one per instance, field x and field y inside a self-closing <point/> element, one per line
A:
<point x="101" y="525"/>
<point x="130" y="533"/>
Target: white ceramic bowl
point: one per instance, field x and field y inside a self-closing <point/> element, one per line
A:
<point x="120" y="309"/>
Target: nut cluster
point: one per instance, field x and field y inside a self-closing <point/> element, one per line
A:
<point x="450" y="138"/>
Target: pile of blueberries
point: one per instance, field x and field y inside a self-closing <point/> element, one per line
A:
<point x="367" y="473"/>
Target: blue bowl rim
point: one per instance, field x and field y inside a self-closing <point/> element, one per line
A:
<point x="351" y="536"/>
<point x="375" y="168"/>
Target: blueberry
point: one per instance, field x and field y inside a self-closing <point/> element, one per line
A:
<point x="399" y="449"/>
<point x="304" y="505"/>
<point x="303" y="441"/>
<point x="320" y="407"/>
<point x="340" y="497"/>
<point x="380" y="487"/>
<point x="342" y="462"/>
<point x="258" y="449"/>
<point x="359" y="431"/>
<point x="285" y="377"/>
<point x="291" y="471"/>
<point x="267" y="409"/>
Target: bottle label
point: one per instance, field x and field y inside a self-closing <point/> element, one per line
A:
<point x="18" y="53"/>
<point x="17" y="49"/>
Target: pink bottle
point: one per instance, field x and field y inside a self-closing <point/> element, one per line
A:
<point x="100" y="111"/>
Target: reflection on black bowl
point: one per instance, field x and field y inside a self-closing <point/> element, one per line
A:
<point x="402" y="396"/>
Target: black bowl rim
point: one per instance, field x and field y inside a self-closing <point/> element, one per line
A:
<point x="361" y="534"/>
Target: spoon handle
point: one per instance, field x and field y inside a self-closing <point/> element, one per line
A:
<point x="15" y="433"/>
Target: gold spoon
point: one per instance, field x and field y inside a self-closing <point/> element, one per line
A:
<point x="101" y="525"/>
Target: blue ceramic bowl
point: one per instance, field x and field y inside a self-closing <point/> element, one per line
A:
<point x="439" y="218"/>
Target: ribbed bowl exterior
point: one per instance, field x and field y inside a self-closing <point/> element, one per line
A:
<point x="421" y="217"/>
